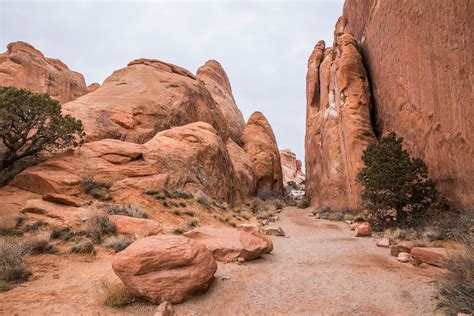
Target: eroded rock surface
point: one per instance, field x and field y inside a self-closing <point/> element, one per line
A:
<point x="25" y="67"/>
<point x="216" y="81"/>
<point x="338" y="123"/>
<point x="291" y="167"/>
<point x="165" y="268"/>
<point x="146" y="97"/>
<point x="260" y="144"/>
<point x="192" y="158"/>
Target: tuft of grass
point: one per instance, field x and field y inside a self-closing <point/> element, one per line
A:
<point x="32" y="227"/>
<point x="455" y="289"/>
<point x="279" y="204"/>
<point x="189" y="213"/>
<point x="131" y="210"/>
<point x="96" y="189"/>
<point x="264" y="215"/>
<point x="116" y="294"/>
<point x="13" y="268"/>
<point x="177" y="212"/>
<point x="96" y="227"/>
<point x="84" y="246"/>
<point x="176" y="194"/>
<point x="182" y="204"/>
<point x="194" y="222"/>
<point x="179" y="230"/>
<point x="359" y="219"/>
<point x="119" y="243"/>
<point x="39" y="245"/>
<point x="204" y="201"/>
<point x="246" y="215"/>
<point x="64" y="233"/>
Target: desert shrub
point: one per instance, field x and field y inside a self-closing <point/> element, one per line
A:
<point x="454" y="224"/>
<point x="64" y="233"/>
<point x="96" y="227"/>
<point x="119" y="243"/>
<point x="326" y="213"/>
<point x="116" y="294"/>
<point x="13" y="268"/>
<point x="177" y="212"/>
<point x="194" y="222"/>
<point x="258" y="206"/>
<point x="268" y="194"/>
<point x="182" y="204"/>
<point x="396" y="188"/>
<point x="84" y="246"/>
<point x="97" y="189"/>
<point x="189" y="213"/>
<point x="203" y="200"/>
<point x="39" y="244"/>
<point x="264" y="215"/>
<point x="359" y="219"/>
<point x="31" y="123"/>
<point x="303" y="203"/>
<point x="131" y="210"/>
<point x="278" y="203"/>
<point x="163" y="194"/>
<point x="246" y="215"/>
<point x="455" y="289"/>
<point x="31" y="227"/>
<point x="179" y="230"/>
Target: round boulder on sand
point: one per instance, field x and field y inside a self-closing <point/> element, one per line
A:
<point x="165" y="268"/>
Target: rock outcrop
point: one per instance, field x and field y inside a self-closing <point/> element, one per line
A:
<point x="25" y="67"/>
<point x="228" y="244"/>
<point x="291" y="167"/>
<point x="338" y="123"/>
<point x="260" y="144"/>
<point x="165" y="268"/>
<point x="146" y="97"/>
<point x="418" y="56"/>
<point x="191" y="158"/>
<point x="216" y="81"/>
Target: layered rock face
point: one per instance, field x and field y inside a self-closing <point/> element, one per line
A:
<point x="216" y="81"/>
<point x="145" y="97"/>
<point x="419" y="59"/>
<point x="193" y="158"/>
<point x="338" y="123"/>
<point x="23" y="66"/>
<point x="260" y="144"/>
<point x="291" y="167"/>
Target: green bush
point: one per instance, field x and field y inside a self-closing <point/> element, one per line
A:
<point x="31" y="123"/>
<point x="396" y="188"/>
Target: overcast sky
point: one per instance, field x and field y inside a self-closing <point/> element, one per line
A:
<point x="263" y="46"/>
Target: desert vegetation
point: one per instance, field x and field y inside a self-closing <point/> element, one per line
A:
<point x="29" y="124"/>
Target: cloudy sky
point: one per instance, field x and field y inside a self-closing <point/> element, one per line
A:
<point x="262" y="45"/>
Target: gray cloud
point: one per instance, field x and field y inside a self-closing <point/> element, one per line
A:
<point x="263" y="46"/>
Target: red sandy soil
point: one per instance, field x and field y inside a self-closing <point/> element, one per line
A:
<point x="319" y="269"/>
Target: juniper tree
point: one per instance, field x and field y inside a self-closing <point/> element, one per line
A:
<point x="32" y="122"/>
<point x="397" y="189"/>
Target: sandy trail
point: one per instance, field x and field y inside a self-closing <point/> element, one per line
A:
<point x="321" y="269"/>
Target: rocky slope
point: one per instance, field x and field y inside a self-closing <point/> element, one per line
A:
<point x="23" y="66"/>
<point x="419" y="62"/>
<point x="291" y="167"/>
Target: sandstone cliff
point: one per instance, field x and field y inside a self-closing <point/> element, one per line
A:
<point x="23" y="66"/>
<point x="291" y="167"/>
<point x="216" y="81"/>
<point x="418" y="56"/>
<point x="260" y="144"/>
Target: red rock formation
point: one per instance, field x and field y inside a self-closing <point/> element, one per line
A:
<point x="191" y="158"/>
<point x="338" y="126"/>
<point x="25" y="67"/>
<point x="92" y="87"/>
<point x="216" y="81"/>
<point x="419" y="59"/>
<point x="260" y="144"/>
<point x="145" y="97"/>
<point x="291" y="167"/>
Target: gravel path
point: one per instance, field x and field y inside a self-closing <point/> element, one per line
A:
<point x="320" y="269"/>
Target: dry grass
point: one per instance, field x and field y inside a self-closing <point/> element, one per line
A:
<point x="96" y="189"/>
<point x="40" y="244"/>
<point x="96" y="227"/>
<point x="13" y="268"/>
<point x="116" y="294"/>
<point x="119" y="243"/>
<point x="424" y="235"/>
<point x="456" y="287"/>
<point x="84" y="246"/>
<point x="303" y="203"/>
<point x="131" y="210"/>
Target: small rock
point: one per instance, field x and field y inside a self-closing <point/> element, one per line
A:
<point x="265" y="222"/>
<point x="63" y="199"/>
<point x="225" y="278"/>
<point x="317" y="216"/>
<point x="404" y="257"/>
<point x="274" y="219"/>
<point x="311" y="215"/>
<point x="401" y="247"/>
<point x="164" y="309"/>
<point x="424" y="265"/>
<point x="363" y="230"/>
<point x="240" y="259"/>
<point x="274" y="231"/>
<point x="383" y="242"/>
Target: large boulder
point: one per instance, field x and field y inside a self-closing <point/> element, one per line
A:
<point x="431" y="255"/>
<point x="244" y="171"/>
<point x="228" y="244"/>
<point x="25" y="67"/>
<point x="338" y="123"/>
<point x="216" y="81"/>
<point x="191" y="158"/>
<point x="291" y="167"/>
<point x="146" y="97"/>
<point x="260" y="144"/>
<point x="165" y="268"/>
